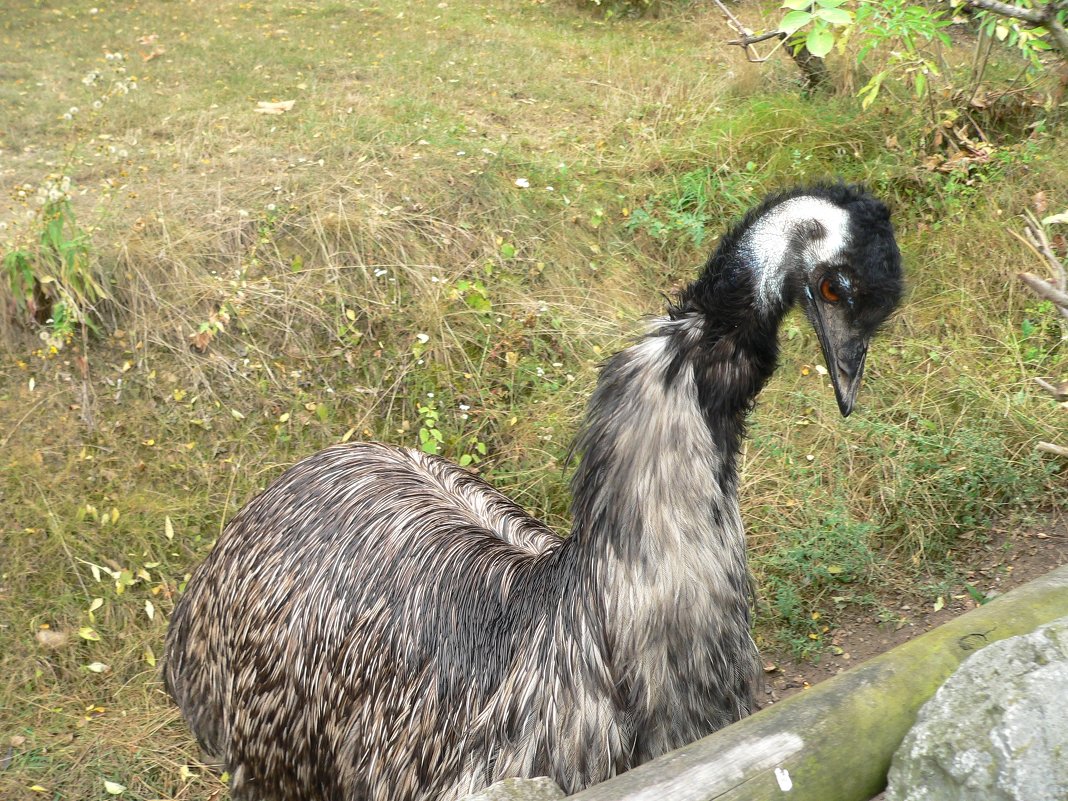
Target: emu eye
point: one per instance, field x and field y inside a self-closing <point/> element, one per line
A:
<point x="829" y="291"/>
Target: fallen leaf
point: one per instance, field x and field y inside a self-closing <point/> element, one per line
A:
<point x="88" y="633"/>
<point x="279" y="107"/>
<point x="200" y="341"/>
<point x="51" y="639"/>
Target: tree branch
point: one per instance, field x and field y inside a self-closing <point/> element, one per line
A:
<point x="1046" y="290"/>
<point x="1045" y="15"/>
<point x="1035" y="16"/>
<point x="1059" y="393"/>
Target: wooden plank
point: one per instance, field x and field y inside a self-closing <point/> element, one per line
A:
<point x="834" y="742"/>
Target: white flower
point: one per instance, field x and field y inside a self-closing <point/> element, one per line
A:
<point x="522" y="183"/>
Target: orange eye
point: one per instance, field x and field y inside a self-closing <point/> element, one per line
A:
<point x="827" y="291"/>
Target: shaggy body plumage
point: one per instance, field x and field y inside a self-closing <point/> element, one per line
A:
<point x="380" y="624"/>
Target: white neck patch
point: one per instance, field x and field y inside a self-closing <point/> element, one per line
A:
<point x="764" y="244"/>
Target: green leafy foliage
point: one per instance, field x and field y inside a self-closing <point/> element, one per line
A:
<point x="811" y="24"/>
<point x="51" y="280"/>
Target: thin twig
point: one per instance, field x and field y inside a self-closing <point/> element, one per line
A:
<point x="748" y="39"/>
<point x="1049" y="447"/>
<point x="752" y="40"/>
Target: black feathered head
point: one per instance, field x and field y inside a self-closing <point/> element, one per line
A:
<point x="830" y="247"/>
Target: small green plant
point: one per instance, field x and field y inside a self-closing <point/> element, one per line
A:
<point x="430" y="436"/>
<point x="474" y="452"/>
<point x="50" y="278"/>
<point x="904" y="31"/>
<point x="473" y="294"/>
<point x="686" y="211"/>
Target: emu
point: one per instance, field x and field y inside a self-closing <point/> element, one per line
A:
<point x="382" y="625"/>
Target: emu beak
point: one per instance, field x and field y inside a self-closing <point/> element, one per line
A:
<point x="843" y="350"/>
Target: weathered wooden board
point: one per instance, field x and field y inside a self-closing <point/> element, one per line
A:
<point x="834" y="742"/>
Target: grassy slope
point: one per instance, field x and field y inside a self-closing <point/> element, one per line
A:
<point x="383" y="210"/>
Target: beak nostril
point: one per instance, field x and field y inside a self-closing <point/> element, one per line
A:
<point x="846" y="369"/>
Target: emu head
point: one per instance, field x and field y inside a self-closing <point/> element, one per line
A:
<point x="833" y="250"/>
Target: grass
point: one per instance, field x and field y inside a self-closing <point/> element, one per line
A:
<point x="366" y="265"/>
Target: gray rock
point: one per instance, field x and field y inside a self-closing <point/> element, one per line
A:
<point x="997" y="730"/>
<point x="540" y="789"/>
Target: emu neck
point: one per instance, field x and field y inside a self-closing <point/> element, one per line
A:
<point x="662" y="436"/>
<point x="657" y="546"/>
<point x="655" y="496"/>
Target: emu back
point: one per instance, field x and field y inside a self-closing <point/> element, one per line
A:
<point x="381" y="625"/>
<point x="346" y="637"/>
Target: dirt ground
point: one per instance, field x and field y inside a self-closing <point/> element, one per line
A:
<point x="1006" y="560"/>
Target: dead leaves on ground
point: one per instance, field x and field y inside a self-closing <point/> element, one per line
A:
<point x="274" y="107"/>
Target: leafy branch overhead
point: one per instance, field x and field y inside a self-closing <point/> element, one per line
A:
<point x="904" y="32"/>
